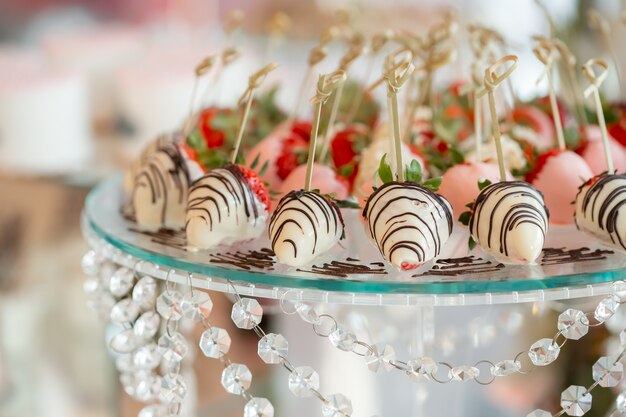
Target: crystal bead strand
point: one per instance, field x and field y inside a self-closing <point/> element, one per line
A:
<point x="572" y="325"/>
<point x="273" y="348"/>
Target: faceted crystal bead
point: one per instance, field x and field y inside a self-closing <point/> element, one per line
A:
<point x="342" y="339"/>
<point x="378" y="358"/>
<point x="147" y="357"/>
<point x="147" y="325"/>
<point x="258" y="407"/>
<point x="107" y="269"/>
<point x="236" y="378"/>
<point x="124" y="311"/>
<point x="619" y="289"/>
<point x="197" y="306"/>
<point x="620" y="402"/>
<point x="337" y="405"/>
<point x="575" y="400"/>
<point x="145" y="293"/>
<point x="543" y="352"/>
<point x="214" y="342"/>
<point x="607" y="372"/>
<point x="506" y="368"/>
<point x="421" y="369"/>
<point x="606" y="308"/>
<point x="539" y="413"/>
<point x="307" y="313"/>
<point x="90" y="263"/>
<point x="124" y="363"/>
<point x="272" y="347"/>
<point x="169" y="305"/>
<point x="302" y="380"/>
<point x="463" y="373"/>
<point x="154" y="410"/>
<point x="92" y="287"/>
<point x="573" y="324"/>
<point x="148" y="388"/>
<point x="170" y="367"/>
<point x="124" y="342"/>
<point x="128" y="383"/>
<point x="247" y="313"/>
<point x="173" y="347"/>
<point x="102" y="305"/>
<point x="173" y="388"/>
<point x="121" y="282"/>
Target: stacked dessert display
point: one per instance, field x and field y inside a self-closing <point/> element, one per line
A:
<point x="463" y="184"/>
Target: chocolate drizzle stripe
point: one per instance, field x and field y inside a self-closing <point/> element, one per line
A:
<point x="531" y="210"/>
<point x="308" y="204"/>
<point x="428" y="225"/>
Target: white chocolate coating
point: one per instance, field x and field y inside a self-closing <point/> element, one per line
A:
<point x="159" y="194"/>
<point x="510" y="221"/>
<point x="601" y="209"/>
<point x="131" y="172"/>
<point x="408" y="223"/>
<point x="221" y="208"/>
<point x="304" y="225"/>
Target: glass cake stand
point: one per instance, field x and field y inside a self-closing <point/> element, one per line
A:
<point x="399" y="323"/>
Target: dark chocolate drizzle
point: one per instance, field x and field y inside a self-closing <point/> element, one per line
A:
<point x="203" y="197"/>
<point x="516" y="214"/>
<point x="166" y="237"/>
<point x="346" y="268"/>
<point x="260" y="259"/>
<point x="557" y="256"/>
<point x="427" y="227"/>
<point x="304" y="202"/>
<point x="157" y="177"/>
<point x="608" y="208"/>
<point x="461" y="266"/>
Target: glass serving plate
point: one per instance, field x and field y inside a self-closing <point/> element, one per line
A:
<point x="571" y="266"/>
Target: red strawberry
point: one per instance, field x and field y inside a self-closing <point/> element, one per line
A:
<point x="256" y="185"/>
<point x="346" y="146"/>
<point x="302" y="128"/>
<point x="541" y="162"/>
<point x="189" y="152"/>
<point x="214" y="138"/>
<point x="293" y="154"/>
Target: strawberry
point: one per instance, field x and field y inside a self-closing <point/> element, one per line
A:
<point x="214" y="138"/>
<point x="541" y="162"/>
<point x="256" y="184"/>
<point x="302" y="128"/>
<point x="346" y="146"/>
<point x="189" y="152"/>
<point x="293" y="154"/>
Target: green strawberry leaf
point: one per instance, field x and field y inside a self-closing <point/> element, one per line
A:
<point x="254" y="163"/>
<point x="346" y="170"/>
<point x="464" y="218"/>
<point x="433" y="184"/>
<point x="384" y="171"/>
<point x="347" y="204"/>
<point x="413" y="172"/>
<point x="471" y="243"/>
<point x="196" y="141"/>
<point x="483" y="184"/>
<point x="263" y="169"/>
<point x="456" y="155"/>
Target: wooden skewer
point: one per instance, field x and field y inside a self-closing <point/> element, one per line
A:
<point x="396" y="78"/>
<point x="326" y="84"/>
<point x="601" y="24"/>
<point x="202" y="68"/>
<point x="491" y="81"/>
<point x="254" y="82"/>
<point x="595" y="81"/>
<point x="546" y="54"/>
<point x="316" y="55"/>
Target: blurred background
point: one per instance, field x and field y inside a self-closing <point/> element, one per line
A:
<point x="85" y="84"/>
